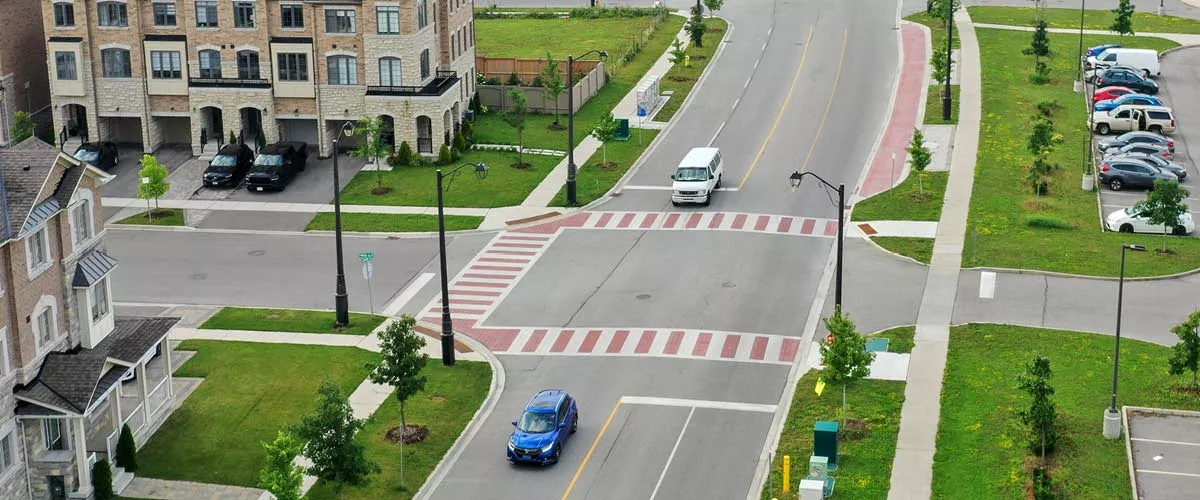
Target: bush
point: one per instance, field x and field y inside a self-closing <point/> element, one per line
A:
<point x="513" y="79"/>
<point x="102" y="480"/>
<point x="1043" y="489"/>
<point x="1047" y="222"/>
<point x="460" y="142"/>
<point x="1047" y="107"/>
<point x="468" y="131"/>
<point x="127" y="450"/>
<point x="444" y="155"/>
<point x="404" y="156"/>
<point x="537" y="82"/>
<point x="495" y="80"/>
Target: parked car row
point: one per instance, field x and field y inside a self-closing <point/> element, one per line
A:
<point x="272" y="169"/>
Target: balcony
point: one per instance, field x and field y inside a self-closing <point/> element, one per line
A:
<point x="442" y="81"/>
<point x="242" y="83"/>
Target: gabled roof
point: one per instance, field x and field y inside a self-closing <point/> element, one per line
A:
<point x="36" y="182"/>
<point x="91" y="267"/>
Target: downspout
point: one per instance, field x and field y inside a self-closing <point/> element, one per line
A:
<point x="25" y="452"/>
<point x="316" y="89"/>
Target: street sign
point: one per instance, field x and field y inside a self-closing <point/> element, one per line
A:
<point x="641" y="111"/>
<point x="368" y="270"/>
<point x="366" y="257"/>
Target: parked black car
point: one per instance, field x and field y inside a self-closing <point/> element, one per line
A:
<point x="1157" y="160"/>
<point x="1136" y="136"/>
<point x="276" y="165"/>
<point x="103" y="155"/>
<point x="1121" y="172"/>
<point x="229" y="166"/>
<point x="1127" y="78"/>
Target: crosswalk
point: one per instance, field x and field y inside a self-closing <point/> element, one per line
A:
<point x="693" y="221"/>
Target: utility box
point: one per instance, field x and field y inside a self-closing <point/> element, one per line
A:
<point x="812" y="490"/>
<point x="825" y="442"/>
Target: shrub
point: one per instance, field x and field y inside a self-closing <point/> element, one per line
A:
<point x="513" y="79"/>
<point x="537" y="82"/>
<point x="127" y="450"/>
<point x="1039" y="78"/>
<point x="102" y="480"/>
<point x="1047" y="222"/>
<point x="468" y="131"/>
<point x="444" y="155"/>
<point x="460" y="142"/>
<point x="495" y="80"/>
<point x="1047" y="107"/>
<point x="404" y="156"/>
<point x="232" y="137"/>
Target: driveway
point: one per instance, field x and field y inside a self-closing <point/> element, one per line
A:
<point x="1165" y="449"/>
<point x="125" y="183"/>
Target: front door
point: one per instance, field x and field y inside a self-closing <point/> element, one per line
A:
<point x="58" y="488"/>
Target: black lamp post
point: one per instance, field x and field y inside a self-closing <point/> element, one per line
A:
<point x="946" y="99"/>
<point x="341" y="299"/>
<point x="572" y="198"/>
<point x="795" y="179"/>
<point x="448" y="324"/>
<point x="1112" y="427"/>
<point x="1080" y="75"/>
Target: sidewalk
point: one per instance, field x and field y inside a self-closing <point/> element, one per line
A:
<point x="912" y="469"/>
<point x="1180" y="38"/>
<point x="907" y="108"/>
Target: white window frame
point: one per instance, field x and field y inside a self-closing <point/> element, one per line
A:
<point x="60" y="436"/>
<point x="37" y="268"/>
<point x="208" y="64"/>
<point x="83" y="222"/>
<point x="346" y="67"/>
<point x="102" y="309"/>
<point x="238" y="5"/>
<point x="340" y="14"/>
<point x="71" y="5"/>
<point x="46" y="304"/>
<point x="118" y="8"/>
<point x="212" y="23"/>
<point x="66" y="68"/>
<point x="8" y="462"/>
<point x="167" y="62"/>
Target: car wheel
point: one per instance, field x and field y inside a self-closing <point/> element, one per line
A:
<point x="575" y="420"/>
<point x="1126" y="228"/>
<point x="1102" y="129"/>
<point x="557" y="454"/>
<point x="1179" y="231"/>
<point x="1146" y="74"/>
<point x="1156" y="129"/>
<point x="675" y="203"/>
<point x="707" y="200"/>
<point x="718" y="185"/>
<point x="1115" y="184"/>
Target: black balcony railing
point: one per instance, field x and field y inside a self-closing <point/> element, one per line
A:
<point x="443" y="81"/>
<point x="245" y="83"/>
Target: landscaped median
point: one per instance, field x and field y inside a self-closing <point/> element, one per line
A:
<point x="289" y="320"/>
<point x="593" y="181"/>
<point x="1143" y="22"/>
<point x="392" y="223"/>
<point x="933" y="105"/>
<point x="156" y="217"/>
<point x="680" y="79"/>
<point x="416" y="186"/>
<point x="917" y="198"/>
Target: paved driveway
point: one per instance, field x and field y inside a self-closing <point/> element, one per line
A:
<point x="125" y="184"/>
<point x="1165" y="449"/>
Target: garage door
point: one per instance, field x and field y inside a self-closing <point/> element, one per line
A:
<point x="299" y="130"/>
<point x="124" y="131"/>
<point x="176" y="129"/>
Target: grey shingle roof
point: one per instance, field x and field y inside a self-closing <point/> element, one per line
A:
<point x="68" y="184"/>
<point x="25" y="168"/>
<point x="91" y="267"/>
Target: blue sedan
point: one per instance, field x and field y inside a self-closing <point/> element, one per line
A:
<point x="1094" y="51"/>
<point x="548" y="420"/>
<point x="1142" y="99"/>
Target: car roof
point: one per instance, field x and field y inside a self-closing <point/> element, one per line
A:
<point x="546" y="400"/>
<point x="1159" y="147"/>
<point x="698" y="157"/>
<point x="230" y="149"/>
<point x="1143" y="107"/>
<point x="1141" y="133"/>
<point x="276" y="149"/>
<point x="1134" y="96"/>
<point x="1138" y="155"/>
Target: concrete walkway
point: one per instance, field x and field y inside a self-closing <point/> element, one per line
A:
<point x="143" y="487"/>
<point x="902" y="228"/>
<point x="912" y="469"/>
<point x="1180" y="38"/>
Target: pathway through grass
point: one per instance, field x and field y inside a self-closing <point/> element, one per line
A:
<point x="288" y="320"/>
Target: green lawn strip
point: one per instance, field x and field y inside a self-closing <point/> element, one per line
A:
<point x="700" y="59"/>
<point x="250" y="392"/>
<point x="901" y="337"/>
<point x="461" y="388"/>
<point x="865" y="465"/>
<point x="158" y="217"/>
<point x="392" y="223"/>
<point x="905" y="201"/>
<point x="981" y="444"/>
<point x="417" y="186"/>
<point x="933" y="106"/>
<point x="1001" y="203"/>
<point x="288" y="320"/>
<point x="1143" y="22"/>
<point x="936" y="27"/>
<point x="919" y="249"/>
<point x="593" y="182"/>
<point x="530" y="38"/>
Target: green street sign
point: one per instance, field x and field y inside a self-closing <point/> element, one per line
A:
<point x="366" y="257"/>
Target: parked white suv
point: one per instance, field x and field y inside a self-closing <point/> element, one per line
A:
<point x="698" y="175"/>
<point x="1128" y="117"/>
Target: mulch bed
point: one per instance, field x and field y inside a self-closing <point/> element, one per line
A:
<point x="412" y="434"/>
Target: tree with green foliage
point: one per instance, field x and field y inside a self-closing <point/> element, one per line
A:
<point x="127" y="450"/>
<point x="1185" y="355"/>
<point x="678" y="54"/>
<point x="400" y="365"/>
<point x="1040" y="144"/>
<point x="460" y="143"/>
<point x="941" y="67"/>
<point x="1039" y="47"/>
<point x="153" y="183"/>
<point x="22" y="127"/>
<point x="552" y="83"/>
<point x="604" y="132"/>
<point x="1041" y="417"/>
<point x="696" y="27"/>
<point x="445" y="157"/>
<point x="102" y="480"/>
<point x="515" y="118"/>
<point x="920" y="157"/>
<point x="281" y="476"/>
<point x="404" y="154"/>
<point x="328" y="435"/>
<point x="713" y="6"/>
<point x="944" y="10"/>
<point x="373" y="145"/>
<point x="844" y="354"/>
<point x="1164" y="205"/>
<point x="233" y="139"/>
<point x="1123" y="21"/>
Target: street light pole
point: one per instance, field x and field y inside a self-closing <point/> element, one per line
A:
<point x="341" y="299"/>
<point x="796" y="178"/>
<point x="447" y="322"/>
<point x="946" y="99"/>
<point x="1112" y="419"/>
<point x="572" y="170"/>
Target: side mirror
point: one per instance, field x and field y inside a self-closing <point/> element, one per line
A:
<point x="563" y="425"/>
<point x="711" y="177"/>
<point x="672" y="176"/>
<point x="514" y="423"/>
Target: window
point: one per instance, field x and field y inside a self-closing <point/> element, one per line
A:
<point x="389" y="72"/>
<point x="116" y="63"/>
<point x="388" y="19"/>
<point x="247" y="64"/>
<point x="293" y="67"/>
<point x="422" y="14"/>
<point x="424" y="64"/>
<point x="45" y="326"/>
<point x="64" y="63"/>
<point x="343" y="70"/>
<point x="165" y="65"/>
<point x="38" y="246"/>
<point x="7" y="453"/>
<point x="52" y="434"/>
<point x="113" y="14"/>
<point x="99" y="295"/>
<point x="206" y="14"/>
<point x="243" y="14"/>
<point x="81" y="222"/>
<point x="164" y="14"/>
<point x="210" y="64"/>
<point x="64" y="14"/>
<point x="291" y="16"/>
<point x="339" y="21"/>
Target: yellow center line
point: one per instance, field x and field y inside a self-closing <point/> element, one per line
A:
<point x="787" y="100"/>
<point x="591" y="450"/>
<point x="829" y="105"/>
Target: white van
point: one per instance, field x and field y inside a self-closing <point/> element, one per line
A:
<point x="1144" y="60"/>
<point x="698" y="175"/>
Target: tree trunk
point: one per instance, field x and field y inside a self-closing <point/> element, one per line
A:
<point x="921" y="183"/>
<point x="1165" y="229"/>
<point x="604" y="153"/>
<point x="520" y="148"/>
<point x="842" y="425"/>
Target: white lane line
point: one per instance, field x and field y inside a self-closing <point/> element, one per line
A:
<point x="764" y="47"/>
<point x="736" y="102"/>
<point x="698" y="403"/>
<point x="393" y="307"/>
<point x="714" y="137"/>
<point x="672" y="455"/>
<point x="756" y="64"/>
<point x="987" y="285"/>
<point x="746" y="85"/>
<point x="1184" y="474"/>
<point x="1182" y="443"/>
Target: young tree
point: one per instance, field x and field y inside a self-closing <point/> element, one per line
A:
<point x="845" y="354"/>
<point x="102" y="480"/>
<point x="1123" y="22"/>
<point x="1164" y="205"/>
<point x="921" y="157"/>
<point x="233" y="138"/>
<point x="944" y="9"/>
<point x="677" y="52"/>
<point x="604" y="132"/>
<point x="281" y="476"/>
<point x="552" y="83"/>
<point x="941" y="66"/>
<point x="1041" y="416"/>
<point x="696" y="27"/>
<point x="400" y="365"/>
<point x="373" y="145"/>
<point x="713" y="6"/>
<point x="1039" y="47"/>
<point x="515" y="118"/>
<point x="1186" y="354"/>
<point x="153" y="184"/>
<point x="127" y="450"/>
<point x="23" y="126"/>
<point x="328" y="434"/>
<point x="1040" y="144"/>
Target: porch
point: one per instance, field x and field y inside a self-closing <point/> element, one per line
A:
<point x="140" y="400"/>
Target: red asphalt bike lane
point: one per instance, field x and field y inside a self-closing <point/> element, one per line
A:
<point x="906" y="108"/>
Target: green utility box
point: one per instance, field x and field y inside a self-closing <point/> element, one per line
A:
<point x="622" y="129"/>
<point x="825" y="442"/>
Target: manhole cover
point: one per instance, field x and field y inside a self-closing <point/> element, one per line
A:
<point x="728" y="284"/>
<point x="643" y="296"/>
<point x="257" y="253"/>
<point x="198" y="276"/>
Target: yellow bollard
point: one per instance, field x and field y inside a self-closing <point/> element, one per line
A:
<point x="687" y="61"/>
<point x="787" y="473"/>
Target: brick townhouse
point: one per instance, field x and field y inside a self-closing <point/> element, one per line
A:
<point x="156" y="72"/>
<point x="71" y="371"/>
<point x="23" y="84"/>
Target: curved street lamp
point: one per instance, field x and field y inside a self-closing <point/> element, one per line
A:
<point x="481" y="170"/>
<point x="340" y="298"/>
<point x="1112" y="418"/>
<point x="795" y="180"/>
<point x="572" y="192"/>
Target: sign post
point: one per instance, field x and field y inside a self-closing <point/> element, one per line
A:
<point x="368" y="270"/>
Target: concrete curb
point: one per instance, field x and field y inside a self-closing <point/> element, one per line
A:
<point x="1008" y="270"/>
<point x="870" y="239"/>
<point x="1087" y="332"/>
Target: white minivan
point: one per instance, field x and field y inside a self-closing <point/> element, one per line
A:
<point x="1145" y="60"/>
<point x="698" y="175"/>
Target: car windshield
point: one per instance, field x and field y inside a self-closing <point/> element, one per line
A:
<point x="536" y="422"/>
<point x="87" y="155"/>
<point x="224" y="161"/>
<point x="691" y="174"/>
<point x="266" y="163"/>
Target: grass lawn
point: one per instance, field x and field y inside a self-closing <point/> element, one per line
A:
<point x="592" y="182"/>
<point x="920" y="249"/>
<point x="933" y="106"/>
<point x="250" y="392"/>
<point x="1143" y="22"/>
<point x="901" y="338"/>
<point x="158" y="217"/>
<point x="288" y="320"/>
<point x="392" y="223"/>
<point x="935" y="24"/>
<point x="865" y="465"/>
<point x="461" y="390"/>
<point x="998" y="232"/>
<point x="981" y="444"/>
<point x="700" y="59"/>
<point x="905" y="201"/>
<point x="417" y="186"/>
<point x="531" y="38"/>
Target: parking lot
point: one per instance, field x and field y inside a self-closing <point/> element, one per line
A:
<point x="1164" y="452"/>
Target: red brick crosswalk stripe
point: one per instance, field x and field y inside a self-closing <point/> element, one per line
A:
<point x="564" y="338"/>
<point x="784" y="225"/>
<point x="672" y="218"/>
<point x="647" y="339"/>
<point x="716" y="221"/>
<point x="788" y="352"/>
<point x="731" y="345"/>
<point x="618" y="341"/>
<point x="759" y="350"/>
<point x="761" y="225"/>
<point x="604" y="219"/>
<point x="694" y="221"/>
<point x="673" y="343"/>
<point x="534" y="341"/>
<point x="626" y="220"/>
<point x="739" y="221"/>
<point x="649" y="220"/>
<point x="701" y="348"/>
<point x="589" y="342"/>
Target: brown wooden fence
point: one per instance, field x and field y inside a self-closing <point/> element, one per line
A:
<point x="502" y="68"/>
